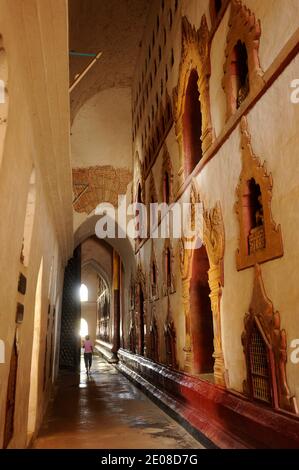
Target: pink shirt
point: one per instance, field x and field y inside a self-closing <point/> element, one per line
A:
<point x="87" y="345"/>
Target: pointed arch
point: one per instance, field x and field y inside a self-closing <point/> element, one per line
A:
<point x="195" y="59"/>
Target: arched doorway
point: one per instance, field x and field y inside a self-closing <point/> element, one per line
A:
<point x="201" y="314"/>
<point x="192" y="124"/>
<point x="83" y="328"/>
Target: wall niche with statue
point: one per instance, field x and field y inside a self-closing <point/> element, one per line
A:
<point x="260" y="237"/>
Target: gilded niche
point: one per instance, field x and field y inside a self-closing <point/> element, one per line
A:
<point x="265" y="350"/>
<point x="195" y="59"/>
<point x="242" y="70"/>
<point x="260" y="237"/>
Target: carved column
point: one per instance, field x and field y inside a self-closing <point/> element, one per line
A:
<point x="179" y="137"/>
<point x="215" y="296"/>
<point x="214" y="242"/>
<point x="185" y="266"/>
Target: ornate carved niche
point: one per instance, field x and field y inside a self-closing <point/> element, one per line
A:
<point x="260" y="237"/>
<point x="167" y="178"/>
<point x="265" y="350"/>
<point x="242" y="70"/>
<point x="195" y="57"/>
<point x="154" y="275"/>
<point x="168" y="260"/>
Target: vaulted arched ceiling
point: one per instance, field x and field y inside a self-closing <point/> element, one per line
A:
<point x="114" y="27"/>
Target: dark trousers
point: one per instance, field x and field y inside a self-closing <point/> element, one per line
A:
<point x="88" y="360"/>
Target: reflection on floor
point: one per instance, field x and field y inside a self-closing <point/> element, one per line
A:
<point x="106" y="411"/>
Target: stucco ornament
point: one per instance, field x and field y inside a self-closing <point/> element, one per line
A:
<point x="195" y="56"/>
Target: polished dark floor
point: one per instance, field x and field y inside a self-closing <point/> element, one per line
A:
<point x="106" y="411"/>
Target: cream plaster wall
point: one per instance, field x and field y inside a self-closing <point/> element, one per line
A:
<point x="101" y="132"/>
<point x="37" y="97"/>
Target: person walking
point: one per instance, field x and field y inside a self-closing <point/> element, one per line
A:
<point x="88" y="350"/>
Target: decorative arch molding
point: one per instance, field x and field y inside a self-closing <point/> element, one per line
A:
<point x="195" y="56"/>
<point x="167" y="168"/>
<point x="262" y="318"/>
<point x="214" y="241"/>
<point x="243" y="27"/>
<point x="260" y="237"/>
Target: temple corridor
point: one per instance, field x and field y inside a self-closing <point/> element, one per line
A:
<point x="149" y="204"/>
<point x="106" y="411"/>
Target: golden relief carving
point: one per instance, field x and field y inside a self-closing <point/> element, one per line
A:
<point x="265" y="349"/>
<point x="246" y="30"/>
<point x="214" y="241"/>
<point x="195" y="56"/>
<point x="260" y="238"/>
